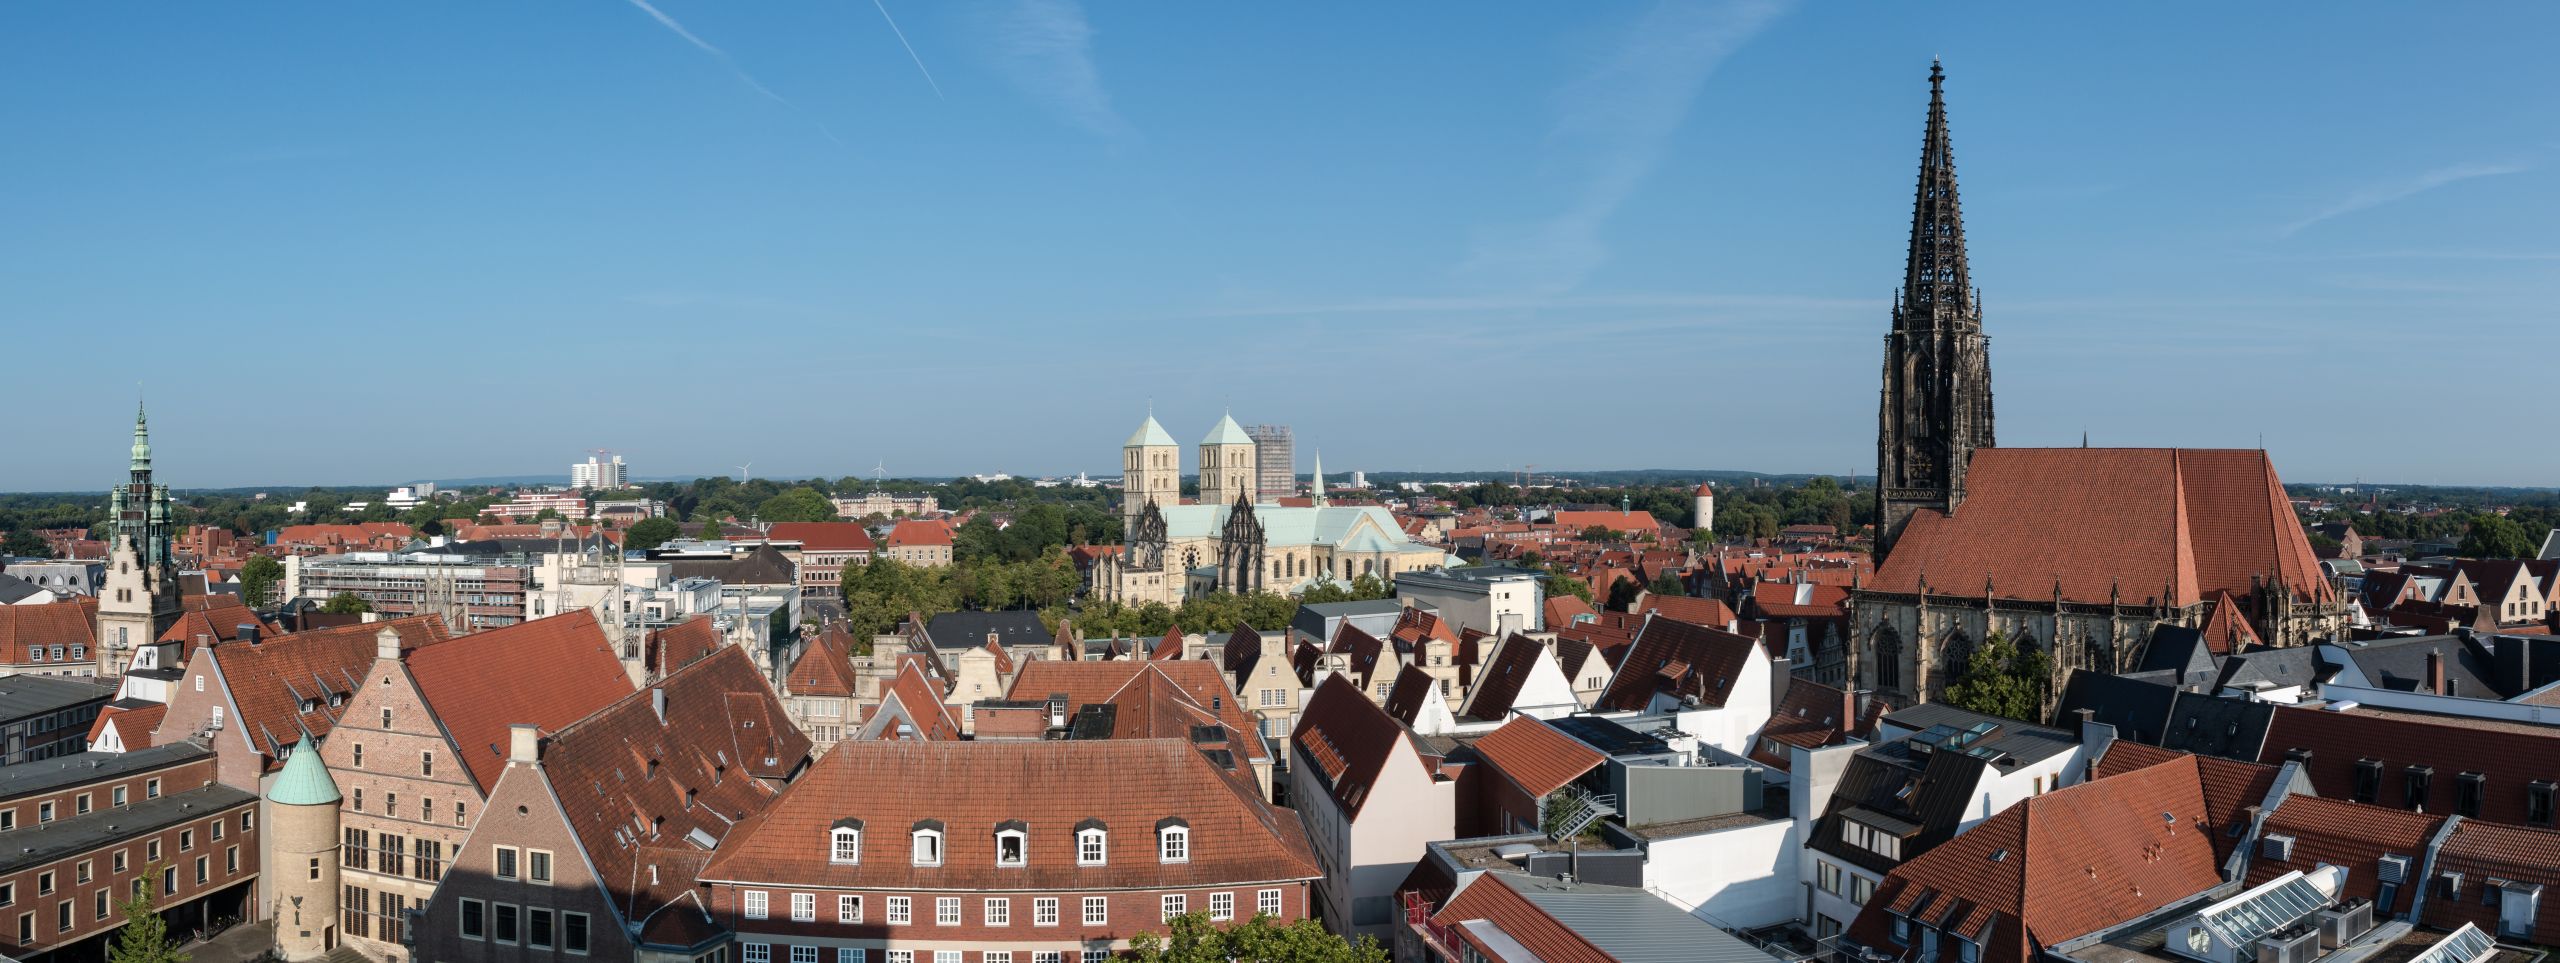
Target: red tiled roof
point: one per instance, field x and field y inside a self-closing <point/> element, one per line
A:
<point x="285" y="686"/>
<point x="2348" y="835"/>
<point x="1405" y="697"/>
<point x="919" y="532"/>
<point x="1777" y="600"/>
<point x="2102" y="521"/>
<point x="1563" y="609"/>
<point x="824" y="668"/>
<point x="824" y="536"/>
<point x="2483" y="851"/>
<point x="1678" y="658"/>
<point x="1536" y="755"/>
<point x="1170" y="647"/>
<point x="1810" y="716"/>
<point x="1415" y="626"/>
<point x="2227" y="629"/>
<point x="134" y="723"/>
<point x="2068" y="863"/>
<point x="1634" y="523"/>
<point x="67" y="623"/>
<point x="2230" y="787"/>
<point x="1491" y="898"/>
<point x="634" y="785"/>
<point x="216" y="618"/>
<point x="679" y="645"/>
<point x="920" y="697"/>
<point x="968" y="789"/>
<point x="480" y="684"/>
<point x="1349" y="739"/>
<point x="1712" y="613"/>
<point x="1194" y="689"/>
<point x="2510" y="758"/>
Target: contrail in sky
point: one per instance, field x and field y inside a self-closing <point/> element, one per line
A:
<point x="911" y="48"/>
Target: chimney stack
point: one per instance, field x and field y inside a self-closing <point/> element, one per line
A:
<point x="524" y="742"/>
<point x="2435" y="672"/>
<point x="386" y="644"/>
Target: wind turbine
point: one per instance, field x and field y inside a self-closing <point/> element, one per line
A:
<point x="742" y="472"/>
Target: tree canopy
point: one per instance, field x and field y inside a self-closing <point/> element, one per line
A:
<point x="258" y="578"/>
<point x="144" y="937"/>
<point x="649" y="533"/>
<point x="2496" y="536"/>
<point x="802" y="504"/>
<point x="346" y="603"/>
<point x="1999" y="679"/>
<point x="1192" y="938"/>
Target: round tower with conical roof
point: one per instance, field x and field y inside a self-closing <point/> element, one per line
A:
<point x="1706" y="504"/>
<point x="302" y="827"/>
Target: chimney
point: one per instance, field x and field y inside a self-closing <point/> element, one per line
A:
<point x="386" y="644"/>
<point x="1848" y="710"/>
<point x="524" y="742"/>
<point x="2435" y="672"/>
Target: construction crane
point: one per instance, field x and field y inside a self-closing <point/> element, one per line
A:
<point x="1528" y="475"/>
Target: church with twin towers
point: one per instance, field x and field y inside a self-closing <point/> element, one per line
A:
<point x="1238" y="535"/>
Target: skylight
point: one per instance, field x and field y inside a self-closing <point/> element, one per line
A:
<point x="2242" y="919"/>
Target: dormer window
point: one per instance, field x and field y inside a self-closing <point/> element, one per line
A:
<point x="928" y="843"/>
<point x="1090" y="840"/>
<point x="844" y="842"/>
<point x="1013" y="843"/>
<point x="1173" y="840"/>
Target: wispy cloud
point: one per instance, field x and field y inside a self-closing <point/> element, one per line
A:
<point x="1046" y="46"/>
<point x="1612" y="126"/>
<point x="2376" y="195"/>
<point x="911" y="48"/>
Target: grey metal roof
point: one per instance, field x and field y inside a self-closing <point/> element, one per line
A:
<point x="104" y="826"/>
<point x="2026" y="741"/>
<point x="30" y="695"/>
<point x="1335" y="610"/>
<point x="45" y="775"/>
<point x="968" y="630"/>
<point x="1632" y="925"/>
<point x="13" y="588"/>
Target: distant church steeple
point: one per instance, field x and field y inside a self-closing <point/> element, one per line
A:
<point x="1936" y="405"/>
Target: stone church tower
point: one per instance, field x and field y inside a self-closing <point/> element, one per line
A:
<point x="1150" y="471"/>
<point x="1936" y="407"/>
<point x="302" y="829"/>
<point x="138" y="599"/>
<point x="1228" y="470"/>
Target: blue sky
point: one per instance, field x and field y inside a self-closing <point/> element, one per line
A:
<point x="348" y="243"/>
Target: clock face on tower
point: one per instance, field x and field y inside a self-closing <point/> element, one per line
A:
<point x="2198" y="940"/>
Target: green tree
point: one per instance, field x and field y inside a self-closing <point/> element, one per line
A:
<point x="25" y="542"/>
<point x="649" y="533"/>
<point x="258" y="578"/>
<point x="2495" y="536"/>
<point x="346" y="603"/>
<point x="2001" y="680"/>
<point x="1192" y="938"/>
<point x="1560" y="583"/>
<point x="144" y="938"/>
<point x="1666" y="584"/>
<point x="802" y="504"/>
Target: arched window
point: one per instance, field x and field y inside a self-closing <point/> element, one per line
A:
<point x="1173" y="840"/>
<point x="844" y="842"/>
<point x="1888" y="656"/>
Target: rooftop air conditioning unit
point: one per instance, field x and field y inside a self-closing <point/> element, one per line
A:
<point x="2293" y="944"/>
<point x="2343" y="923"/>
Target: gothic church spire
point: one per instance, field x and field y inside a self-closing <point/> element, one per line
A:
<point x="1936" y="403"/>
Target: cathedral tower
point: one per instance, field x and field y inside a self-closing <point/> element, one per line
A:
<point x="138" y="599"/>
<point x="1227" y="467"/>
<point x="1150" y="471"/>
<point x="1936" y="406"/>
<point x="302" y="827"/>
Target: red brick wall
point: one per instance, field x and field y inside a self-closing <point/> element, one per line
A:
<point x="1011" y="722"/>
<point x="392" y="773"/>
<point x="1131" y="913"/>
<point x="520" y="813"/>
<point x="45" y="908"/>
<point x="242" y="765"/>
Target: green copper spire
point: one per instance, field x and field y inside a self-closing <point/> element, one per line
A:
<point x="305" y="780"/>
<point x="141" y="439"/>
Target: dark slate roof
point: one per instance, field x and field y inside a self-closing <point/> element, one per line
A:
<point x="968" y="630"/>
<point x="2401" y="663"/>
<point x="764" y="566"/>
<point x="2215" y="725"/>
<point x="30" y="778"/>
<point x="13" y="588"/>
<point x="1892" y="787"/>
<point x="2295" y="665"/>
<point x="2181" y="650"/>
<point x="32" y="846"/>
<point x="2025" y="740"/>
<point x="2136" y="704"/>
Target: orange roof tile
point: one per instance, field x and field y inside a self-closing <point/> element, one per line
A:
<point x="824" y="536"/>
<point x="293" y="685"/>
<point x="134" y="724"/>
<point x="1537" y="756"/>
<point x="66" y="623"/>
<point x="1141" y="688"/>
<point x="477" y="685"/>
